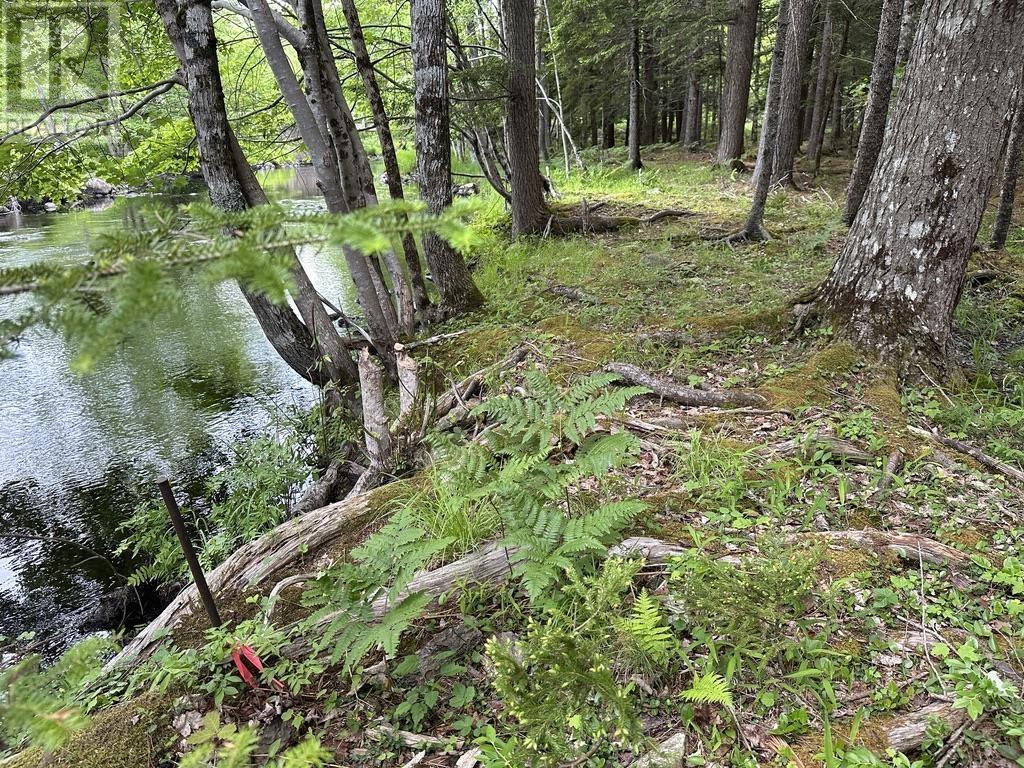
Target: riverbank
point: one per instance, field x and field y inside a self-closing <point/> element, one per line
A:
<point x="840" y="581"/>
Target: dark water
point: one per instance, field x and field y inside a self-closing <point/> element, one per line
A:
<point x="77" y="451"/>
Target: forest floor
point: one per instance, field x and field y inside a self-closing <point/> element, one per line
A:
<point x="854" y="585"/>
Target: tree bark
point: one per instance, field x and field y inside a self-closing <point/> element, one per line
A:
<point x="739" y="62"/>
<point x="896" y="283"/>
<point x="650" y="91"/>
<point x="633" y="128"/>
<point x="608" y="129"/>
<point x="877" y="109"/>
<point x="312" y="346"/>
<point x="821" y="91"/>
<point x="1011" y="173"/>
<point x="788" y="137"/>
<point x="382" y="124"/>
<point x="529" y="212"/>
<point x="753" y="229"/>
<point x="434" y="150"/>
<point x="691" y="120"/>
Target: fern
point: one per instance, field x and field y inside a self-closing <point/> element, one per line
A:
<point x="709" y="688"/>
<point x="382" y="570"/>
<point x="650" y="641"/>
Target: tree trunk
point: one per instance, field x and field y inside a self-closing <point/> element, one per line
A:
<point x="821" y="91"/>
<point x="650" y="91"/>
<point x="543" y="107"/>
<point x="877" y="109"/>
<point x="910" y="9"/>
<point x="789" y="104"/>
<point x="608" y="129"/>
<point x="311" y="346"/>
<point x="753" y="229"/>
<point x="387" y="146"/>
<point x="739" y="62"/>
<point x="831" y="103"/>
<point x="434" y="150"/>
<point x="1011" y="172"/>
<point x="529" y="212"/>
<point x="898" y="279"/>
<point x="633" y="129"/>
<point x="691" y="121"/>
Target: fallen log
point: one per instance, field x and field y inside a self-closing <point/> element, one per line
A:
<point x="491" y="564"/>
<point x="678" y="393"/>
<point x="256" y="562"/>
<point x="908" y="546"/>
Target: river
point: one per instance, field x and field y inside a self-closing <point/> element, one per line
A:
<point x="78" y="452"/>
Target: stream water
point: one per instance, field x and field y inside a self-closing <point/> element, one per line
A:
<point x="77" y="452"/>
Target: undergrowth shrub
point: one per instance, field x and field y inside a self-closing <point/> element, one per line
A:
<point x="744" y="605"/>
<point x="249" y="497"/>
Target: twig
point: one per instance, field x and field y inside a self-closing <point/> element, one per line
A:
<point x="982" y="458"/>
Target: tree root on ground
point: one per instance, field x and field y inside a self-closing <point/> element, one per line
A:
<point x="678" y="393"/>
<point x="969" y="450"/>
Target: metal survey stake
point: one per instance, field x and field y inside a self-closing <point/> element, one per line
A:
<point x="190" y="554"/>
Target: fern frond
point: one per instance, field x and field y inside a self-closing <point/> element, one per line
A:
<point x="709" y="688"/>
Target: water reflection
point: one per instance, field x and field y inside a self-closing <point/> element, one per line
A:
<point x="77" y="452"/>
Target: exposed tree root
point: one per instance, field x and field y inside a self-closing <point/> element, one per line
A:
<point x="678" y="393"/>
<point x="982" y="458"/>
<point x="587" y="222"/>
<point x="841" y="449"/>
<point x="459" y="393"/>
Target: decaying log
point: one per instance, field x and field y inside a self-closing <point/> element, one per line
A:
<point x="408" y="381"/>
<point x="256" y="562"/>
<point x="982" y="458"/>
<point x="470" y="386"/>
<point x="908" y="731"/>
<point x="892" y="466"/>
<point x="908" y="546"/>
<point x="406" y="738"/>
<point x="834" y="446"/>
<point x="491" y="564"/>
<point x="678" y="393"/>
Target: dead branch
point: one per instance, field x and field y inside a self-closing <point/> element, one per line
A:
<point x="571" y="292"/>
<point x="470" y="386"/>
<point x="670" y="390"/>
<point x="969" y="450"/>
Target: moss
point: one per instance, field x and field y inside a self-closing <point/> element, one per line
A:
<point x="808" y="385"/>
<point x="767" y="321"/>
<point x="125" y="736"/>
<point x="845" y="561"/>
<point x="882" y="397"/>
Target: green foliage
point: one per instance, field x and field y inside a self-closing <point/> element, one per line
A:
<point x="130" y="278"/>
<point x="37" y="705"/>
<point x="523" y="473"/>
<point x="380" y="570"/>
<point x="709" y="688"/>
<point x="744" y="605"/>
<point x="224" y="745"/>
<point x="560" y="682"/>
<point x="250" y="497"/>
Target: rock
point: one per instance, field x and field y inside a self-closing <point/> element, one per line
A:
<point x="466" y="190"/>
<point x="13" y="206"/>
<point x="97" y="187"/>
<point x="50" y="207"/>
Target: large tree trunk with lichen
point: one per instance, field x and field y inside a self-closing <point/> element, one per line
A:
<point x="310" y="345"/>
<point x="434" y="150"/>
<point x="739" y="63"/>
<point x="877" y="109"/>
<point x="529" y="212"/>
<point x="898" y="279"/>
